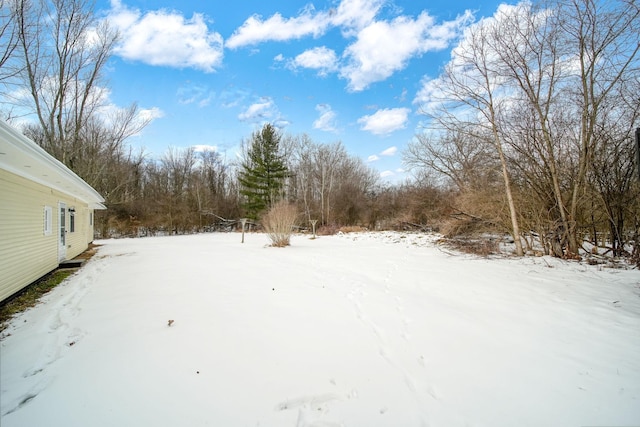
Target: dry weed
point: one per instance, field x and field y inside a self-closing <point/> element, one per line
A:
<point x="278" y="223"/>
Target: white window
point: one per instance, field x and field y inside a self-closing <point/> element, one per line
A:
<point x="48" y="215"/>
<point x="90" y="218"/>
<point x="72" y="220"/>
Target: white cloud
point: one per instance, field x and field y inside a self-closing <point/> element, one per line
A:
<point x="386" y="174"/>
<point x="281" y="123"/>
<point x="353" y="15"/>
<point x="262" y="110"/>
<point x="350" y="15"/>
<point x="391" y="151"/>
<point x="382" y="48"/>
<point x="322" y="59"/>
<point x="385" y="121"/>
<point x="276" y="28"/>
<point x="201" y="148"/>
<point x="327" y="119"/>
<point x="166" y="38"/>
<point x="233" y="96"/>
<point x="150" y="113"/>
<point x="403" y="95"/>
<point x="197" y="94"/>
<point x="428" y="95"/>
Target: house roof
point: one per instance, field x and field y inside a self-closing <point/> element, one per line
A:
<point x="25" y="158"/>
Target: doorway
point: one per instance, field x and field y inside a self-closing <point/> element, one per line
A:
<point x="62" y="232"/>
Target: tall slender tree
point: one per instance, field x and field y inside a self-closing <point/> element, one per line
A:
<point x="263" y="171"/>
<point x="472" y="102"/>
<point x="56" y="52"/>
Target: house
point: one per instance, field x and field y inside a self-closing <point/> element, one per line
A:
<point x="46" y="212"/>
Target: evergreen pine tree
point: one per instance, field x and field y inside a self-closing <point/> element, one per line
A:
<point x="263" y="171"/>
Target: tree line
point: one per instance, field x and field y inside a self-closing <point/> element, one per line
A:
<point x="528" y="131"/>
<point x="532" y="123"/>
<point x="187" y="191"/>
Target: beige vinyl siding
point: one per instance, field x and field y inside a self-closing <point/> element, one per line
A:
<point x="26" y="253"/>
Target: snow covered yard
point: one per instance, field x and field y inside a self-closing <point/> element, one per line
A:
<point x="374" y="329"/>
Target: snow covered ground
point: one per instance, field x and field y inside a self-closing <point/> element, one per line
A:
<point x="374" y="329"/>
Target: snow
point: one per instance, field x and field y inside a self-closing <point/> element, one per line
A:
<point x="370" y="329"/>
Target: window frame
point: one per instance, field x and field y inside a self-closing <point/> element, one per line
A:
<point x="72" y="219"/>
<point x="48" y="221"/>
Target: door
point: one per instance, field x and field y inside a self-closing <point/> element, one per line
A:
<point x="62" y="232"/>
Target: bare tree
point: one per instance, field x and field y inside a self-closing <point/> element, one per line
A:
<point x="178" y="165"/>
<point x="55" y="52"/>
<point x="536" y="80"/>
<point x="328" y="183"/>
<point x="564" y="57"/>
<point x="301" y="165"/>
<point x="353" y="188"/>
<point x="325" y="159"/>
<point x="8" y="41"/>
<point x="606" y="39"/>
<point x="212" y="175"/>
<point x="453" y="155"/>
<point x="527" y="48"/>
<point x="612" y="172"/>
<point x="62" y="51"/>
<point x="472" y="101"/>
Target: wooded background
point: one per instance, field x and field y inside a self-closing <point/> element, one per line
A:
<point x="529" y="132"/>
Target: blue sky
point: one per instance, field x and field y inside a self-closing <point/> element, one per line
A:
<point x="212" y="72"/>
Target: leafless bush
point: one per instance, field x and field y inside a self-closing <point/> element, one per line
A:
<point x="278" y="223"/>
<point x="473" y="213"/>
<point x="480" y="246"/>
<point x="328" y="230"/>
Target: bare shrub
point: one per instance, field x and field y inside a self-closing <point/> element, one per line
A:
<point x="327" y="230"/>
<point x="278" y="223"/>
<point x="476" y="212"/>
<point x="480" y="246"/>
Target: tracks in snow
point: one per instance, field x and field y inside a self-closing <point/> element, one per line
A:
<point x="413" y="375"/>
<point x="383" y="313"/>
<point x="60" y="337"/>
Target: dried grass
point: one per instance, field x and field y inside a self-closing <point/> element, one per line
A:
<point x="278" y="223"/>
<point x="352" y="229"/>
<point x="327" y="230"/>
<point x="30" y="296"/>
